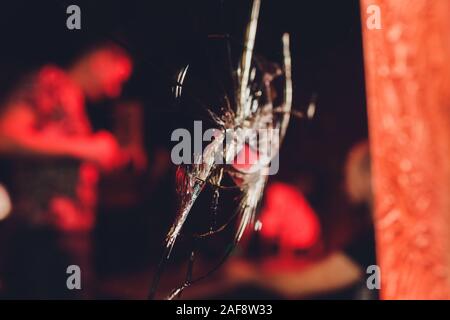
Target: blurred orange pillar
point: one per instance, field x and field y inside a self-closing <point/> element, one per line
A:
<point x="407" y="65"/>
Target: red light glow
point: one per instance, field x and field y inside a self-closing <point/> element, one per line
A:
<point x="289" y="218"/>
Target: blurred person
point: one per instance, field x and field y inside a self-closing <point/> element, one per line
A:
<point x="288" y="219"/>
<point x="5" y="203"/>
<point x="56" y="158"/>
<point x="337" y="271"/>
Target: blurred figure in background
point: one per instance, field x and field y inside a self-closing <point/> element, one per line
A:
<point x="337" y="271"/>
<point x="56" y="157"/>
<point x="5" y="203"/>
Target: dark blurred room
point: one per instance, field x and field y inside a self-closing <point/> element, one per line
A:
<point x="313" y="235"/>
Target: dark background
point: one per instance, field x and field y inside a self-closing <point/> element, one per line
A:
<point x="162" y="36"/>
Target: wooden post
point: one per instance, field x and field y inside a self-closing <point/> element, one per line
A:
<point x="407" y="66"/>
